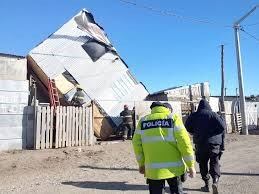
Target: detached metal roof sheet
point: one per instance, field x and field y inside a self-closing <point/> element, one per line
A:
<point x="107" y="79"/>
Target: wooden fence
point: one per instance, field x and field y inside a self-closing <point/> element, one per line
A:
<point x="64" y="127"/>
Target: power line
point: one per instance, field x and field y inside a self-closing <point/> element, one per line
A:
<point x="170" y="13"/>
<point x="252" y="36"/>
<point x="254" y="24"/>
<point x="72" y="56"/>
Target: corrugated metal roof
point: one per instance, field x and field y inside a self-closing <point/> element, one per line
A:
<point x="11" y="56"/>
<point x="106" y="79"/>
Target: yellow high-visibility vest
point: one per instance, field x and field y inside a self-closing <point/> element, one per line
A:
<point x="162" y="144"/>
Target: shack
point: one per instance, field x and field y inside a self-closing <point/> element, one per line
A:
<point x="79" y="53"/>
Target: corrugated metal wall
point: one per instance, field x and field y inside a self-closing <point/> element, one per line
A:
<point x="15" y="115"/>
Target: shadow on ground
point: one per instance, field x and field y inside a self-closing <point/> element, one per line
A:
<point x="121" y="186"/>
<point x="237" y="174"/>
<point x="114" y="186"/>
<point x="107" y="168"/>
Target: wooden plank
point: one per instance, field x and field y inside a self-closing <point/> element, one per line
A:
<point x="60" y="126"/>
<point x="64" y="127"/>
<point x="51" y="127"/>
<point x="48" y="127"/>
<point x="38" y="128"/>
<point x="73" y="127"/>
<point x="43" y="128"/>
<point x="87" y="122"/>
<point x="83" y="126"/>
<point x="68" y="127"/>
<point x="80" y="126"/>
<point x="90" y="129"/>
<point x="57" y="127"/>
<point x="76" y="129"/>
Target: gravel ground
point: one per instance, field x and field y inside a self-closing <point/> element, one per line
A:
<point x="111" y="168"/>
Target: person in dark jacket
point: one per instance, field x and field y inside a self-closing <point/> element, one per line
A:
<point x="208" y="131"/>
<point x="127" y="122"/>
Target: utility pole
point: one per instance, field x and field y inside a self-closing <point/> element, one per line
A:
<point x="240" y="72"/>
<point x="222" y="81"/>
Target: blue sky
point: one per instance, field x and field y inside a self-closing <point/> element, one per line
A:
<point x="161" y="50"/>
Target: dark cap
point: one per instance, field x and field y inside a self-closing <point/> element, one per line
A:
<point x="154" y="104"/>
<point x="167" y="105"/>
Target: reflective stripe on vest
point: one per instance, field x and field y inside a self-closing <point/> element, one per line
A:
<point x="188" y="158"/>
<point x="164" y="165"/>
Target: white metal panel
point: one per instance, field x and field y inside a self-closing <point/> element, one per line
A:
<point x="11" y="144"/>
<point x="14" y="86"/>
<point x="13" y="68"/>
<point x="8" y="109"/>
<point x="13" y="97"/>
<point x="13" y="113"/>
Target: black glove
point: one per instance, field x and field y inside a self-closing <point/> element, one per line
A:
<point x="184" y="177"/>
<point x="220" y="154"/>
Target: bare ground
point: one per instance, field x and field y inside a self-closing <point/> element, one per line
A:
<point x="111" y="168"/>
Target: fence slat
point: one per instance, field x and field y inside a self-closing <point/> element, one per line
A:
<point x="76" y="137"/>
<point x="87" y="117"/>
<point x="48" y="127"/>
<point x="80" y="126"/>
<point x="91" y="130"/>
<point x="51" y="127"/>
<point x="60" y="126"/>
<point x="57" y="127"/>
<point x="90" y="127"/>
<point x="73" y="127"/>
<point x="83" y="126"/>
<point x="38" y="128"/>
<point x="67" y="126"/>
<point x="64" y="127"/>
<point x="43" y="129"/>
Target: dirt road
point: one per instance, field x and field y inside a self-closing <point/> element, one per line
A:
<point x="111" y="168"/>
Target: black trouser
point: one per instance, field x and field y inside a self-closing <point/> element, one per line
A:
<point x="127" y="130"/>
<point x="209" y="154"/>
<point x="158" y="186"/>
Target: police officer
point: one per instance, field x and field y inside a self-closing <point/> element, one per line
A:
<point x="208" y="136"/>
<point x="79" y="97"/>
<point x="163" y="149"/>
<point x="127" y="122"/>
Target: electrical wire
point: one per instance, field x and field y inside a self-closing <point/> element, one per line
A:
<point x="70" y="56"/>
<point x="254" y="24"/>
<point x="170" y="13"/>
<point x="252" y="36"/>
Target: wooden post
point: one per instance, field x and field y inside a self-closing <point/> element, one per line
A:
<point x="37" y="127"/>
<point x="51" y="127"/>
<point x="48" y="128"/>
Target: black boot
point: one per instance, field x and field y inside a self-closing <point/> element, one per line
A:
<point x="215" y="185"/>
<point x="206" y="187"/>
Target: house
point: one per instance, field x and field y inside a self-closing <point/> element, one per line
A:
<point x="80" y="53"/>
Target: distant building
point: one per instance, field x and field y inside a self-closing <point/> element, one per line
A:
<point x="189" y="95"/>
